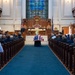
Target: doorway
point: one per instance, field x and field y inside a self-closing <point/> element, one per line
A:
<point x="65" y="30"/>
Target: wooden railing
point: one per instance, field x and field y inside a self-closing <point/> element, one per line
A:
<point x="10" y="49"/>
<point x="65" y="52"/>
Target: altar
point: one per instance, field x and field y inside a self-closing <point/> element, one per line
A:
<point x="43" y="25"/>
<point x="29" y="40"/>
<point x="34" y="30"/>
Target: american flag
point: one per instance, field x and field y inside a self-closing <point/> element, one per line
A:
<point x="41" y="38"/>
<point x="38" y="37"/>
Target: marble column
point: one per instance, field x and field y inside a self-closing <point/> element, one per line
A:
<point x="50" y="9"/>
<point x="23" y="9"/>
<point x="14" y="14"/>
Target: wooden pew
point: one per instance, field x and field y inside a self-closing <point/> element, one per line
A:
<point x="65" y="52"/>
<point x="10" y="49"/>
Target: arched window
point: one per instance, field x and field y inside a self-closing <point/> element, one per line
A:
<point x="37" y="8"/>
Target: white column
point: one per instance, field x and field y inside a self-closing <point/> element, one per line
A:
<point x="59" y="9"/>
<point x="14" y="14"/>
<point x="50" y="9"/>
<point x="23" y="9"/>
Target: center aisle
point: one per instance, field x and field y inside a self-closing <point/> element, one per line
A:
<point x="34" y="61"/>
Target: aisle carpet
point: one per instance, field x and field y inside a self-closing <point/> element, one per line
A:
<point x="34" y="61"/>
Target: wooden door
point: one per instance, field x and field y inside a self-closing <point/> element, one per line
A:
<point x="65" y="30"/>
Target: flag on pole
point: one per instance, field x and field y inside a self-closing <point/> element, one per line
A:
<point x="52" y="24"/>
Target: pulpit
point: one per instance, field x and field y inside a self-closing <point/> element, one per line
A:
<point x="37" y="40"/>
<point x="37" y="43"/>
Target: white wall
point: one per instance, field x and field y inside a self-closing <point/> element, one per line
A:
<point x="11" y="15"/>
<point x="62" y="13"/>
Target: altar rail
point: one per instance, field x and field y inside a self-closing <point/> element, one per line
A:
<point x="10" y="50"/>
<point x="65" y="52"/>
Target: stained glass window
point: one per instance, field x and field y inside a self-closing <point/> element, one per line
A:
<point x="36" y="8"/>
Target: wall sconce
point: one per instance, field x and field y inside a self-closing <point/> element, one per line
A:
<point x="68" y="1"/>
<point x="5" y="0"/>
<point x="0" y="11"/>
<point x="55" y="28"/>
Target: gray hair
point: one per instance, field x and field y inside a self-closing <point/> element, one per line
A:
<point x="74" y="39"/>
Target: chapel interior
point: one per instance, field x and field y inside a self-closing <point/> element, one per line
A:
<point x="44" y="17"/>
<point x="17" y="14"/>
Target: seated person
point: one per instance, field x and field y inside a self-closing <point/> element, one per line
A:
<point x="73" y="44"/>
<point x="1" y="48"/>
<point x="19" y="35"/>
<point x="23" y="28"/>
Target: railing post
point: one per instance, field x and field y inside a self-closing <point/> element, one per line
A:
<point x="64" y="47"/>
<point x="66" y="55"/>
<point x="70" y="53"/>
